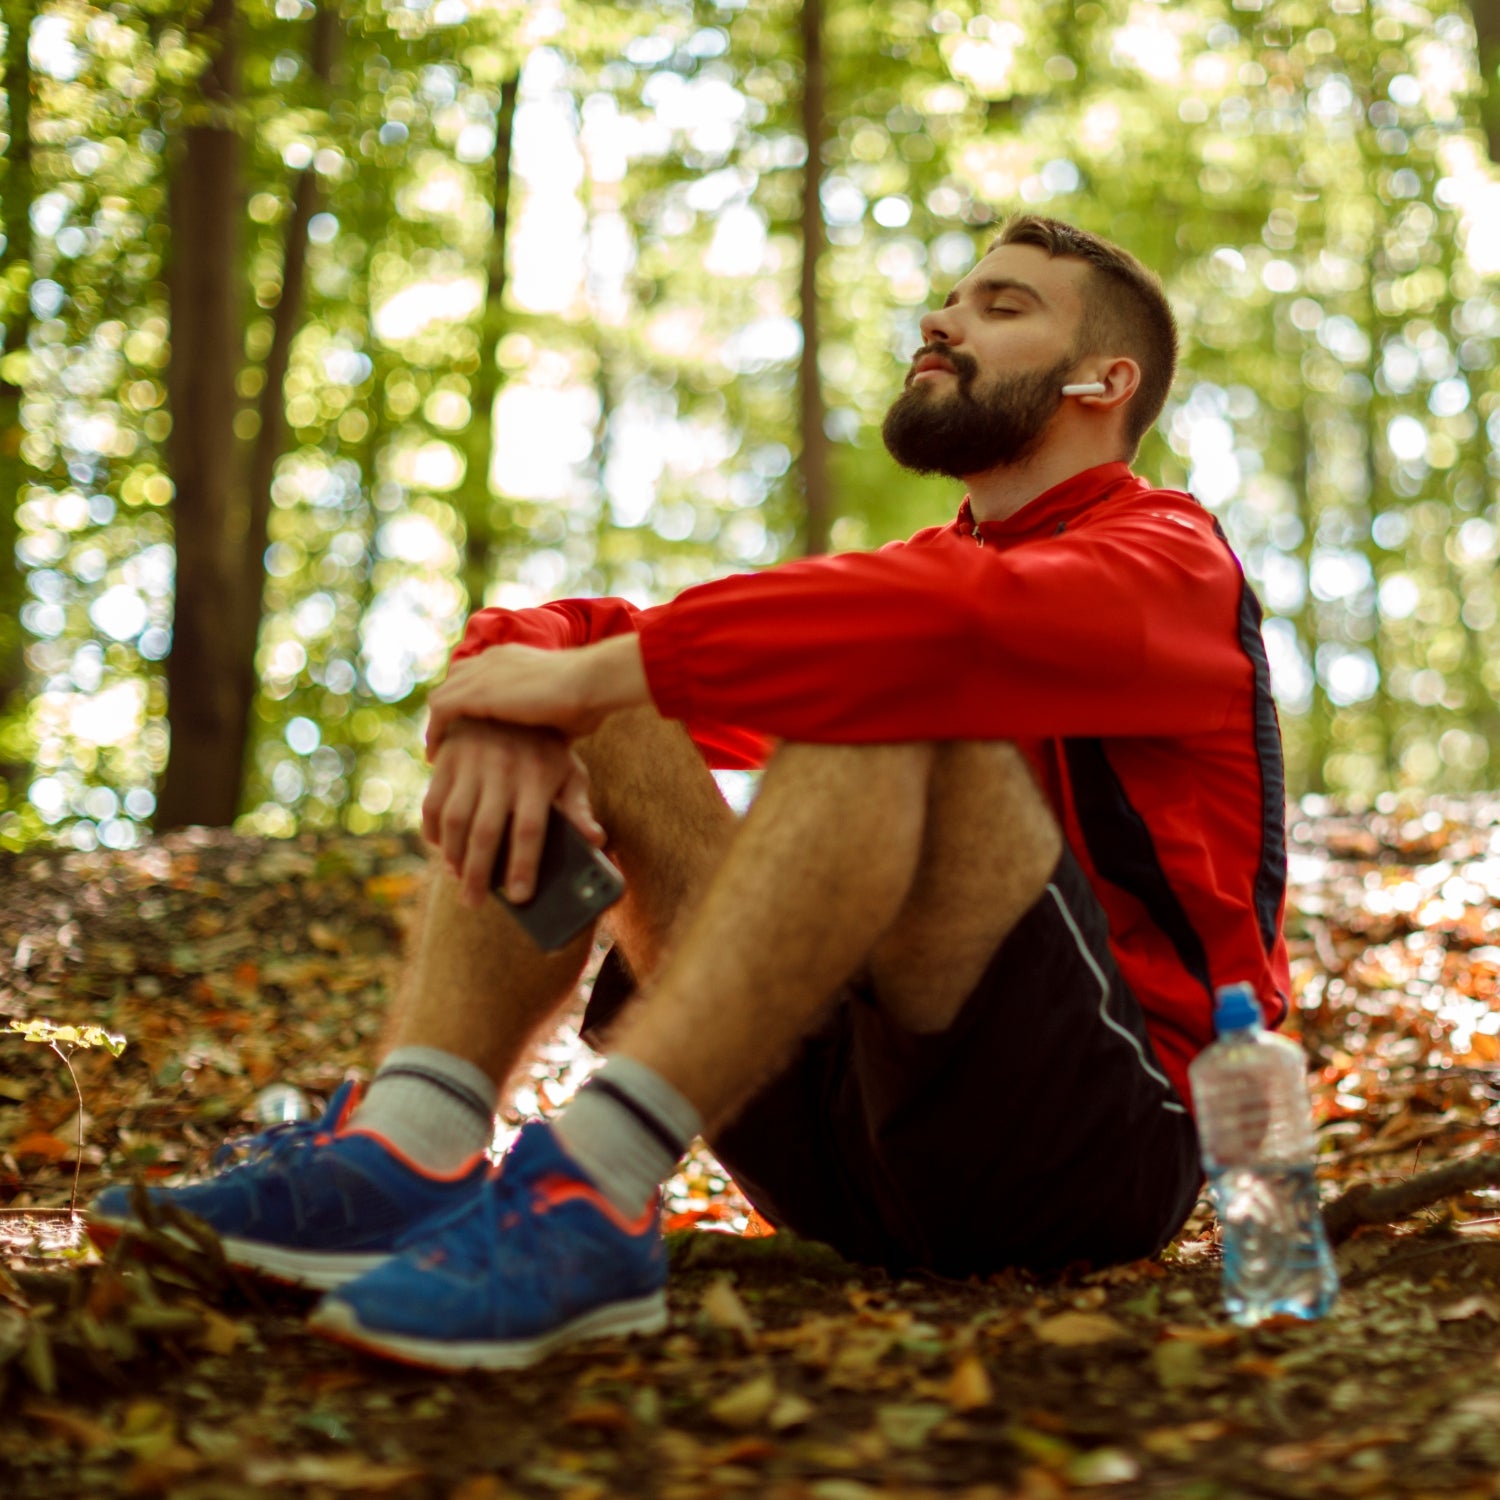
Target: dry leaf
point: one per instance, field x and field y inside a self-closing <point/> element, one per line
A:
<point x="907" y="1427"/>
<point x="1178" y="1366"/>
<point x="1477" y="1306"/>
<point x="600" y="1416"/>
<point x="339" y="1471"/>
<point x="723" y="1308"/>
<point x="1204" y="1338"/>
<point x="220" y="1335"/>
<point x="1103" y="1466"/>
<point x="81" y="1431"/>
<point x="747" y="1404"/>
<point x="480" y="1487"/>
<point x="1074" y="1328"/>
<point x="969" y="1387"/>
<point x="160" y="1472"/>
<point x="790" y="1411"/>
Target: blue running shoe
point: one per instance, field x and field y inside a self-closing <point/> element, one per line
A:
<point x="539" y="1259"/>
<point x="311" y="1203"/>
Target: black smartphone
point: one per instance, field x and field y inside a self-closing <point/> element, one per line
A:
<point x="574" y="883"/>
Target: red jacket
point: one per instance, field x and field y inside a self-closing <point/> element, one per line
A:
<point x="1106" y="628"/>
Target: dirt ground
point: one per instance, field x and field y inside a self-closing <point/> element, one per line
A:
<point x="231" y="964"/>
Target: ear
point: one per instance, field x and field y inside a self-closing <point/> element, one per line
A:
<point x="1121" y="379"/>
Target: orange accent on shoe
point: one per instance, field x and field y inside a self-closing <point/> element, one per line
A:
<point x="462" y="1170"/>
<point x="356" y="1094"/>
<point x="553" y="1192"/>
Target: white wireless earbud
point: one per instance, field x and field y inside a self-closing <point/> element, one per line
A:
<point x="1093" y="388"/>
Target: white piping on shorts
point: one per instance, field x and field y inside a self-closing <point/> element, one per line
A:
<point x="1168" y="1103"/>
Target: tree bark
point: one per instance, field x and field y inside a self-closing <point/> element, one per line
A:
<point x="205" y="293"/>
<point x="16" y="192"/>
<point x="478" y="442"/>
<point x="205" y="772"/>
<point x="817" y="490"/>
<point x="1486" y="15"/>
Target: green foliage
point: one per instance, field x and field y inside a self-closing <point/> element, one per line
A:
<point x="1311" y="181"/>
<point x="50" y="1034"/>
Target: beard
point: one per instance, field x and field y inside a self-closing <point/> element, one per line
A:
<point x="971" y="429"/>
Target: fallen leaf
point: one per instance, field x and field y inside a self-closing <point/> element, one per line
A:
<point x="1103" y="1466"/>
<point x="1477" y="1306"/>
<point x="723" y="1308"/>
<point x="907" y="1427"/>
<point x="480" y="1487"/>
<point x="42" y="1146"/>
<point x="339" y="1471"/>
<point x="599" y="1416"/>
<point x="746" y="1404"/>
<point x="969" y="1386"/>
<point x="220" y="1335"/>
<point x="1070" y="1329"/>
<point x="1178" y="1366"/>
<point x="790" y="1411"/>
<point x="159" y="1473"/>
<point x="1204" y="1338"/>
<point x="78" y="1429"/>
<point x="745" y="1450"/>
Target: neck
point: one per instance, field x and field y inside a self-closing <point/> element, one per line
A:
<point x="997" y="494"/>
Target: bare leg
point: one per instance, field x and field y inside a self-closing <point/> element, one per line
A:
<point x="919" y="858"/>
<point x="478" y="987"/>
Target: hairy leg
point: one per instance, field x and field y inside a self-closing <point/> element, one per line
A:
<point x="990" y="846"/>
<point x="915" y="859"/>
<point x="478" y="987"/>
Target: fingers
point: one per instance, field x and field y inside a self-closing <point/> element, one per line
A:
<point x="573" y="800"/>
<point x="437" y="794"/>
<point x="484" y="833"/>
<point x="453" y="822"/>
<point x="490" y="778"/>
<point x="528" y="829"/>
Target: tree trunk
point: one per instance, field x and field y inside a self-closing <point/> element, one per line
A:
<point x="205" y="293"/>
<point x="206" y="770"/>
<point x="16" y="192"/>
<point x="817" y="490"/>
<point x="478" y="439"/>
<point x="1486" y="15"/>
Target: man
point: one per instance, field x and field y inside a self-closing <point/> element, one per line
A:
<point x="933" y="1001"/>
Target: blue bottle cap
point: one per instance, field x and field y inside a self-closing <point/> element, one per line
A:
<point x="1235" y="1008"/>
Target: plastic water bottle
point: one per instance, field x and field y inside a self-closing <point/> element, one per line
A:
<point x="1255" y="1128"/>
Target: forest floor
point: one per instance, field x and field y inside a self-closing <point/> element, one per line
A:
<point x="234" y="965"/>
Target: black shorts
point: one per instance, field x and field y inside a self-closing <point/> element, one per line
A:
<point x="1038" y="1130"/>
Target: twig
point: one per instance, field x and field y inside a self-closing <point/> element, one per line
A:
<point x="67" y="1062"/>
<point x="1365" y="1203"/>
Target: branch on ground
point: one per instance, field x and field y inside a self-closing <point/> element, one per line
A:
<point x="1365" y="1203"/>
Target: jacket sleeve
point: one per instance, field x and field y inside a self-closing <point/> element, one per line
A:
<point x="1122" y="626"/>
<point x="569" y="623"/>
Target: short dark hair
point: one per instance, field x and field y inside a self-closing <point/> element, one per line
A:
<point x="1125" y="310"/>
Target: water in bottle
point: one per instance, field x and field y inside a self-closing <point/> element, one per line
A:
<point x="1255" y="1128"/>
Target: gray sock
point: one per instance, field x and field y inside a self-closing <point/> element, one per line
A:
<point x="627" y="1127"/>
<point x="433" y="1106"/>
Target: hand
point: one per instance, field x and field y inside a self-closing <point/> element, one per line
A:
<point x="486" y="776"/>
<point x="571" y="691"/>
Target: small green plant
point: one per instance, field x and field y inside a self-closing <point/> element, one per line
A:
<point x="49" y="1034"/>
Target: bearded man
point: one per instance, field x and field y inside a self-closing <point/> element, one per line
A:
<point x="933" y="1000"/>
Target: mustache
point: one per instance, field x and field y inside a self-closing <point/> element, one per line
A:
<point x="965" y="366"/>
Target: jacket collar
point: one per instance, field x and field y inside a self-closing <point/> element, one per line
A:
<point x="1053" y="509"/>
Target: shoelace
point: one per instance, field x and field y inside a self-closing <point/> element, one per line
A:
<point x="276" y="1142"/>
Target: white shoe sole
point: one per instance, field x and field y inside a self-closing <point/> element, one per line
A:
<point x="315" y="1270"/>
<point x="337" y="1320"/>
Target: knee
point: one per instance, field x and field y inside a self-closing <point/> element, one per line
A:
<point x="868" y="769"/>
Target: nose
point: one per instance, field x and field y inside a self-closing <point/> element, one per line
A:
<point x="938" y="326"/>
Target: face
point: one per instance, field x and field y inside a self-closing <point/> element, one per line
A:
<point x="986" y="381"/>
